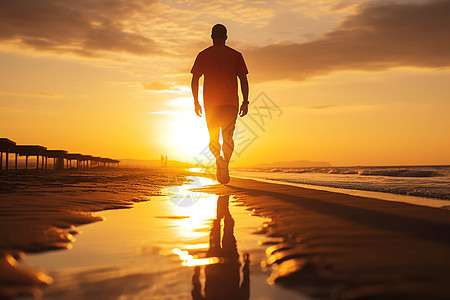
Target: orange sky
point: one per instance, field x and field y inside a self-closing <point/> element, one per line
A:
<point x="348" y="82"/>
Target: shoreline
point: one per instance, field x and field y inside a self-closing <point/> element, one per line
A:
<point x="422" y="182"/>
<point x="385" y="196"/>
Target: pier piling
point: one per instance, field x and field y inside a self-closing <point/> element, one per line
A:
<point x="61" y="158"/>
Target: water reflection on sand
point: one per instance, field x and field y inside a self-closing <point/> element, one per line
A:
<point x="222" y="275"/>
<point x="160" y="250"/>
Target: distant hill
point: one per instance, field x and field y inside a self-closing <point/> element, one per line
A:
<point x="292" y="164"/>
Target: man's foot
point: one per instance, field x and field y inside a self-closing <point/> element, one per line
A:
<point x="222" y="172"/>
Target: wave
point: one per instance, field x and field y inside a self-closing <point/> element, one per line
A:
<point x="399" y="190"/>
<point x="290" y="170"/>
<point x="422" y="181"/>
<point x="344" y="171"/>
<point x="390" y="172"/>
<point x="399" y="173"/>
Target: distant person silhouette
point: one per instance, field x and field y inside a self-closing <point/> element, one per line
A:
<point x="222" y="280"/>
<point x="221" y="66"/>
<point x="162" y="160"/>
<point x="165" y="161"/>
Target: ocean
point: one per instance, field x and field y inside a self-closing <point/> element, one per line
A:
<point x="419" y="181"/>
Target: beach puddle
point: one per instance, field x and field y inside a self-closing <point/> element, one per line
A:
<point x="187" y="245"/>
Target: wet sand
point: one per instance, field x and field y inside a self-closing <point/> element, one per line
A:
<point x="340" y="246"/>
<point x="309" y="244"/>
<point x="140" y="260"/>
<point x="40" y="211"/>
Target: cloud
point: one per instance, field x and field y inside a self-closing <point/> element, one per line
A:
<point x="321" y="106"/>
<point x="40" y="95"/>
<point x="164" y="112"/>
<point x="376" y="37"/>
<point x="250" y="13"/>
<point x="105" y="28"/>
<point x="9" y="110"/>
<point x="341" y="107"/>
<point x="47" y="95"/>
<point x="158" y="86"/>
<point x="82" y="27"/>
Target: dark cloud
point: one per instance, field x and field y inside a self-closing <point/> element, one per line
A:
<point x="84" y="27"/>
<point x="377" y="37"/>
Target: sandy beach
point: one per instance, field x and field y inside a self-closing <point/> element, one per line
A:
<point x="302" y="243"/>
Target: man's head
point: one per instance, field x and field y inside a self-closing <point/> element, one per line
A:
<point x="219" y="33"/>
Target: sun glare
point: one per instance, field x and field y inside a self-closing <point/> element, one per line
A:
<point x="199" y="214"/>
<point x="192" y="260"/>
<point x="196" y="223"/>
<point x="189" y="135"/>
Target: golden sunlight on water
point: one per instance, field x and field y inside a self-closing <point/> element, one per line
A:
<point x="192" y="260"/>
<point x="196" y="246"/>
<point x="195" y="170"/>
<point x="197" y="221"/>
<point x="194" y="209"/>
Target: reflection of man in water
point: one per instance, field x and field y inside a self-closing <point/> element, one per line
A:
<point x="221" y="66"/>
<point x="222" y="280"/>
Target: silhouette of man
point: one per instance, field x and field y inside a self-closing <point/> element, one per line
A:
<point x="221" y="66"/>
<point x="222" y="280"/>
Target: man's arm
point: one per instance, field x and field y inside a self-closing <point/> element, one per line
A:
<point x="244" y="89"/>
<point x="194" y="88"/>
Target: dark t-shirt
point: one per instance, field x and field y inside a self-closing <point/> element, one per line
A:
<point x="221" y="65"/>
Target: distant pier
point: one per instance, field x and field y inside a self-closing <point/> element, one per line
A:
<point x="60" y="159"/>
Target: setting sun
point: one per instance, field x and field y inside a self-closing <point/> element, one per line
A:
<point x="188" y="134"/>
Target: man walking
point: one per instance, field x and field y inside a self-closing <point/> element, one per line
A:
<point x="221" y="66"/>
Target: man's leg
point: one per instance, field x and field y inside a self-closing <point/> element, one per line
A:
<point x="228" y="125"/>
<point x="214" y="144"/>
<point x="213" y="123"/>
<point x="228" y="144"/>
